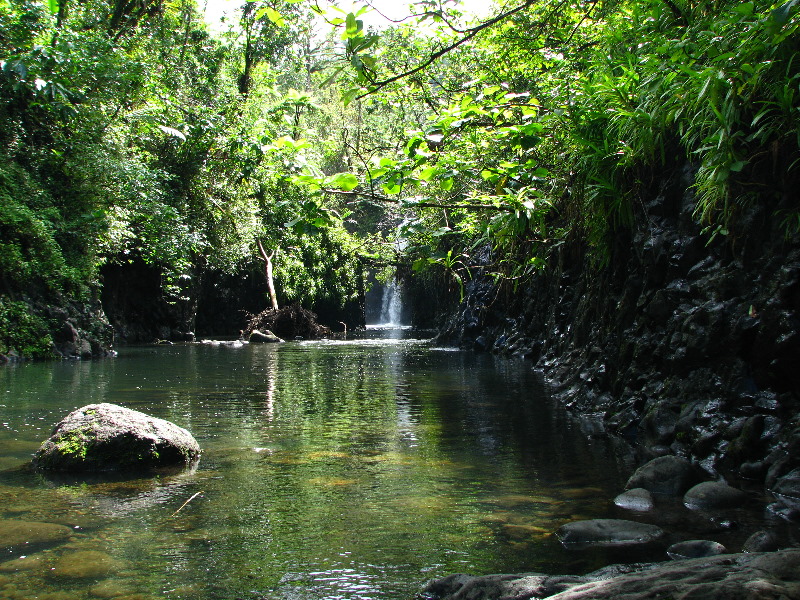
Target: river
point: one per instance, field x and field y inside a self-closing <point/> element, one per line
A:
<point x="330" y="470"/>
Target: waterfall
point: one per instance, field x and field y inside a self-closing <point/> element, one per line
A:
<point x="391" y="304"/>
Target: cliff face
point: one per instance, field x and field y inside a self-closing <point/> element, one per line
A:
<point x="684" y="346"/>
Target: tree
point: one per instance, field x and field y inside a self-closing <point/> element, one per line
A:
<point x="267" y="258"/>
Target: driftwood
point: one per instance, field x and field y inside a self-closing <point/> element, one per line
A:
<point x="289" y="322"/>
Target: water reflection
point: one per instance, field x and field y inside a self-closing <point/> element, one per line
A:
<point x="337" y="469"/>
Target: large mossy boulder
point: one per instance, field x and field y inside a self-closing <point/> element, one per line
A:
<point x="107" y="437"/>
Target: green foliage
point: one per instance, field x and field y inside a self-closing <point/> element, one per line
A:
<point x="132" y="132"/>
<point x="554" y="123"/>
<point x="22" y="331"/>
<point x="722" y="87"/>
<point x="31" y="257"/>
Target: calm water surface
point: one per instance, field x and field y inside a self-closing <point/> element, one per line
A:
<point x="352" y="470"/>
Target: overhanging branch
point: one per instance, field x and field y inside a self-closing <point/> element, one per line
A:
<point x="453" y="205"/>
<point x="470" y="33"/>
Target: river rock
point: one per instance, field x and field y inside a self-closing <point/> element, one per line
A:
<point x="17" y="535"/>
<point x="695" y="549"/>
<point x="607" y="532"/>
<point x="665" y="475"/>
<point x="83" y="564"/>
<point x="763" y="576"/>
<point x="525" y="585"/>
<point x="24" y="563"/>
<point x="112" y="588"/>
<point x="761" y="541"/>
<point x="265" y="337"/>
<point x="710" y="495"/>
<point x="107" y="437"/>
<point x="787" y="490"/>
<point x="638" y="499"/>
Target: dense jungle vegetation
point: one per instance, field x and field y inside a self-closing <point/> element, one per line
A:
<point x="131" y="131"/>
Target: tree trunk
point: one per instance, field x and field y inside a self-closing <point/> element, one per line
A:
<point x="267" y="258"/>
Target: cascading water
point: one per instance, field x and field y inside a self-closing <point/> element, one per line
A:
<point x="391" y="305"/>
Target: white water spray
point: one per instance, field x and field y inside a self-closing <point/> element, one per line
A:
<point x="391" y="304"/>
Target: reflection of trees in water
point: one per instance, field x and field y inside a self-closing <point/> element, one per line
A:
<point x="328" y="458"/>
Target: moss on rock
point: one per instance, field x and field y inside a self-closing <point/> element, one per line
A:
<point x="106" y="437"/>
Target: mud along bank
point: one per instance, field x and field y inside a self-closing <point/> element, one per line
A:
<point x="683" y="345"/>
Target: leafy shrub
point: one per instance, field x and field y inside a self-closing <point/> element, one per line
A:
<point x="23" y="331"/>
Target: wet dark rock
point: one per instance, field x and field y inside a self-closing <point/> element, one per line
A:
<point x="107" y="437"/>
<point x="684" y="345"/>
<point x="666" y="475"/>
<point x="759" y="576"/>
<point x="770" y="576"/>
<point x="607" y="532"/>
<point x="695" y="549"/>
<point x="761" y="541"/>
<point x="710" y="495"/>
<point x="784" y="512"/>
<point x="525" y="585"/>
<point x="638" y="499"/>
<point x="787" y="490"/>
<point x="753" y="470"/>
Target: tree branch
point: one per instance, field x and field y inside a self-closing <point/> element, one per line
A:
<point x="464" y="205"/>
<point x="471" y="33"/>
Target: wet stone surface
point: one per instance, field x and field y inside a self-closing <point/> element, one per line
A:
<point x="608" y="532"/>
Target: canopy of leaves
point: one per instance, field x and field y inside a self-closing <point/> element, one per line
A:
<point x="133" y="132"/>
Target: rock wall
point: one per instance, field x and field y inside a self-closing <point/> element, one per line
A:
<point x="80" y="330"/>
<point x="684" y="345"/>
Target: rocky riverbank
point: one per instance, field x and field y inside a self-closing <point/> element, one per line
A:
<point x="663" y="499"/>
<point x="687" y="346"/>
<point x="756" y="576"/>
<point x="75" y="330"/>
<point x="684" y="345"/>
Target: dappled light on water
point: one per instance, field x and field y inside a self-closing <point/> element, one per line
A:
<point x="352" y="469"/>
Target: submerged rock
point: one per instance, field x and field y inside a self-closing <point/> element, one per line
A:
<point x="666" y="475"/>
<point x="83" y="564"/>
<point x="712" y="495"/>
<point x="24" y="563"/>
<point x="607" y="532"/>
<point x="17" y="535"/>
<point x="107" y="437"/>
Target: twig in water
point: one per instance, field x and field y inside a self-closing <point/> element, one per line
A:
<point x="187" y="502"/>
